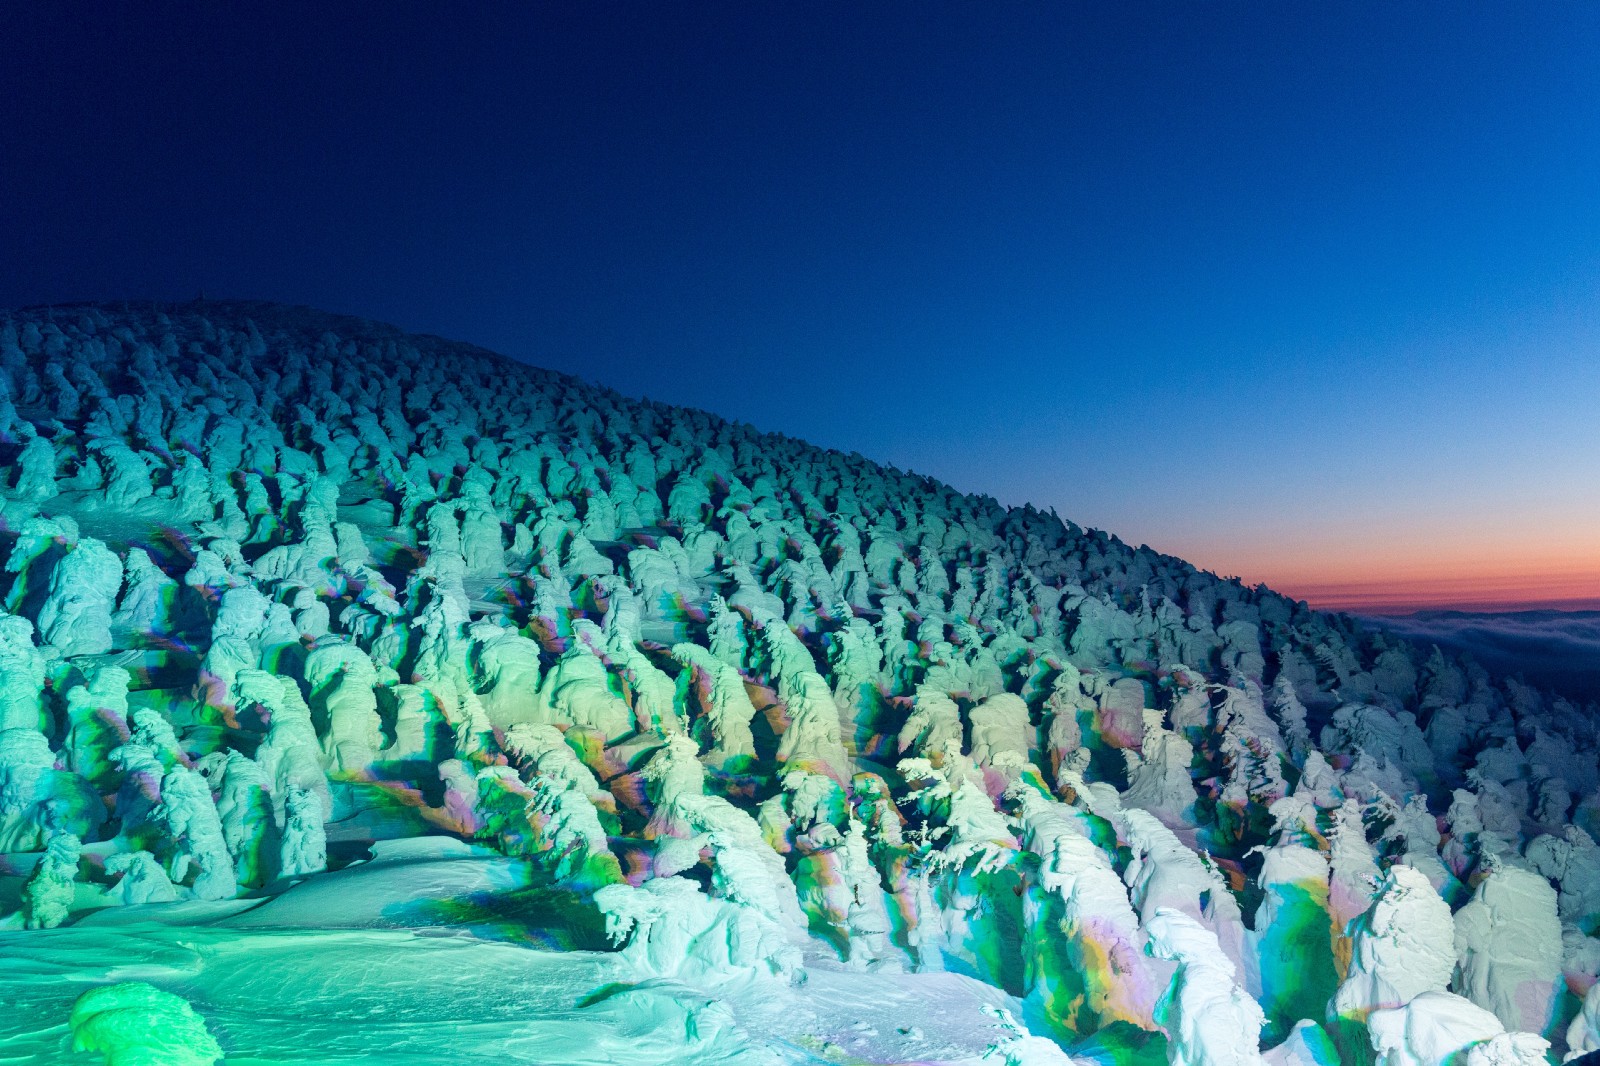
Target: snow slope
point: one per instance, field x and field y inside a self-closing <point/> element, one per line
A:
<point x="371" y="697"/>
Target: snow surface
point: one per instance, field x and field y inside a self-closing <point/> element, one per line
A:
<point x="408" y="958"/>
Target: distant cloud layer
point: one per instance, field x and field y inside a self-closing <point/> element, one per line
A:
<point x="1556" y="648"/>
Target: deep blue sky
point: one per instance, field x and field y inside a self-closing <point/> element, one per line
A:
<point x="1308" y="293"/>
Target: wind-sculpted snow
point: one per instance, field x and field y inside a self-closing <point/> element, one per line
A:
<point x="318" y="641"/>
<point x="137" y="1024"/>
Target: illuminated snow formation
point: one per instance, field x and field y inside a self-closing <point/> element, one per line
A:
<point x="378" y="695"/>
<point x="136" y="1024"/>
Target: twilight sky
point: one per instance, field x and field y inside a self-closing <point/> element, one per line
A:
<point x="1309" y="294"/>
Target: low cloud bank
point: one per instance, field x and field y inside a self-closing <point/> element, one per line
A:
<point x="1560" y="649"/>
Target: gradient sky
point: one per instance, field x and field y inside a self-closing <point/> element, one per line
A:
<point x="1308" y="294"/>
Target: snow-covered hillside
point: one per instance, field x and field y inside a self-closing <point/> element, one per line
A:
<point x="372" y="698"/>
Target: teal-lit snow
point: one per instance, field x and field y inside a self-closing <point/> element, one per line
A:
<point x="782" y="756"/>
<point x="399" y="960"/>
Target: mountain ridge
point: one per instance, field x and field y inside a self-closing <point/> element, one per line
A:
<point x="286" y="590"/>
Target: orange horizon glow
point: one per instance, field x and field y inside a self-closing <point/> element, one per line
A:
<point x="1338" y="574"/>
<point x="1434" y="587"/>
<point x="1462" y="595"/>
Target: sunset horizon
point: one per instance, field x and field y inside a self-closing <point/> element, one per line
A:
<point x="1381" y="599"/>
